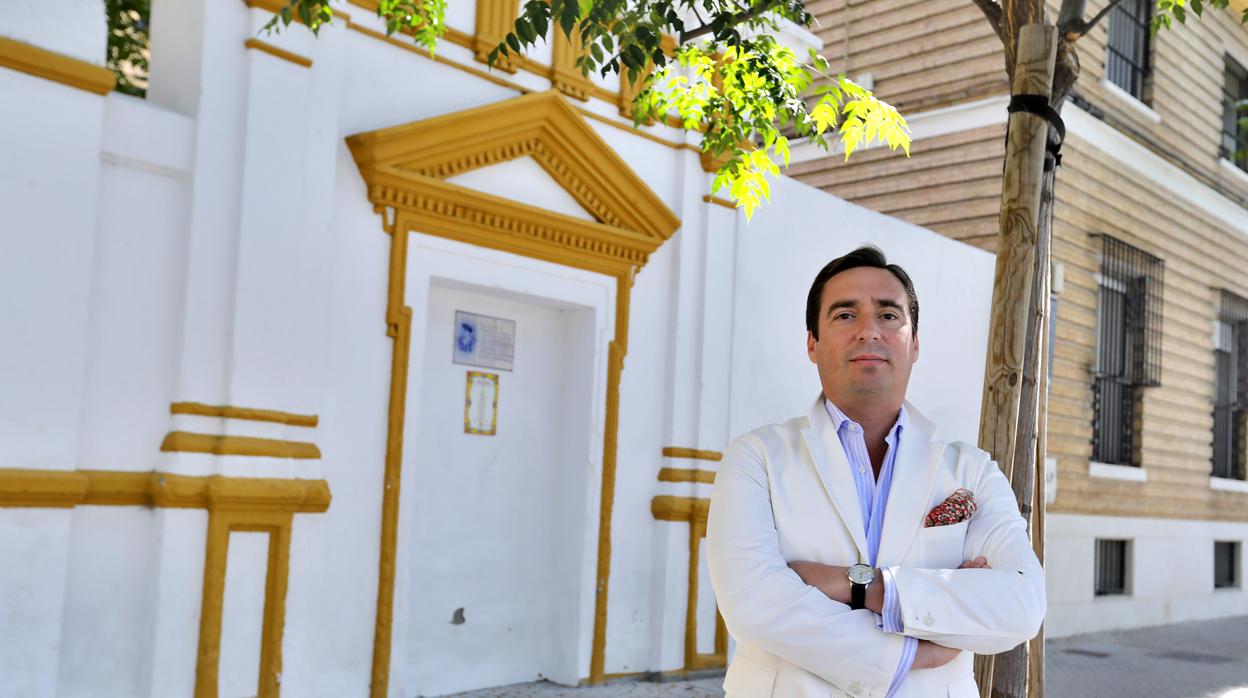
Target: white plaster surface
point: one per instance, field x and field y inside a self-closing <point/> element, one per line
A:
<point x="242" y="613"/>
<point x="75" y="28"/>
<point x="215" y="244"/>
<point x="1170" y="576"/>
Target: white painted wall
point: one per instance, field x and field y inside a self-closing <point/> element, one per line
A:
<point x="1170" y="574"/>
<point x="214" y="243"/>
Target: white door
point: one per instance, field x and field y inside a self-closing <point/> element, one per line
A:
<point x="499" y="521"/>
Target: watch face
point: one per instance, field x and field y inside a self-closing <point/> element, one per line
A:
<point x="861" y="574"/>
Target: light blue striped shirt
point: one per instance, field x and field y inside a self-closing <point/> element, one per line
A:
<point x="873" y="499"/>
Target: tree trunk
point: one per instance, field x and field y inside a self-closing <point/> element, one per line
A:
<point x="1008" y="427"/>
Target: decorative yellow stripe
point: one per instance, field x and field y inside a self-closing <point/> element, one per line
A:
<point x="278" y="52"/>
<point x="718" y="201"/>
<point x="687" y="475"/>
<point x="638" y="132"/>
<point x="437" y="58"/>
<point x="186" y="442"/>
<point x="56" y="67"/>
<point x="276" y="6"/>
<point x="669" y="508"/>
<point x="53" y="488"/>
<point x="678" y="452"/>
<point x="294" y="420"/>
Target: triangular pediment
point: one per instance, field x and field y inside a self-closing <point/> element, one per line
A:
<point x="525" y="181"/>
<point x="422" y="166"/>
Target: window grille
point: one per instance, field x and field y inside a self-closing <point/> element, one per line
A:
<point x="1235" y="114"/>
<point x="1230" y="388"/>
<point x="1128" y="354"/>
<point x="1111" y="567"/>
<point x="1126" y="63"/>
<point x="1225" y="564"/>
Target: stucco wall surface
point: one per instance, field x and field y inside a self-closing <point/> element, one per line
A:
<point x="215" y="244"/>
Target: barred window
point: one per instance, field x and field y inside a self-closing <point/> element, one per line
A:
<point x="1230" y="388"/>
<point x="1126" y="61"/>
<point x="1112" y="565"/>
<point x="1225" y="564"/>
<point x="1235" y="114"/>
<point x="1128" y="352"/>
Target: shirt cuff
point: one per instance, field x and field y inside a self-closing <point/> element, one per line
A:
<point x="891" y="613"/>
<point x="908" y="651"/>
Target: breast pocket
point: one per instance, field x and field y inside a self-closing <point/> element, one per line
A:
<point x="940" y="547"/>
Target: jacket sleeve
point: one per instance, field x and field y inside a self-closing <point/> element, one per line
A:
<point x="766" y="604"/>
<point x="985" y="611"/>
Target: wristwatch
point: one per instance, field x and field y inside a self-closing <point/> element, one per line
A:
<point x="860" y="576"/>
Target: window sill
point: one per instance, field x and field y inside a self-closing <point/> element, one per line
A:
<point x="1110" y="471"/>
<point x="1233" y="171"/>
<point x="1130" y="101"/>
<point x="1226" y="484"/>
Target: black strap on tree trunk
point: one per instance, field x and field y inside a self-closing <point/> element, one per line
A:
<point x="1039" y="105"/>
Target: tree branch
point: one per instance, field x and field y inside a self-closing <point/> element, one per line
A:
<point x="736" y="19"/>
<point x="992" y="12"/>
<point x="1075" y="27"/>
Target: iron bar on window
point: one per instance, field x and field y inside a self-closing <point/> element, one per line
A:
<point x="1126" y="62"/>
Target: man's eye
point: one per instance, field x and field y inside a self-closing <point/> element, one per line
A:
<point x="889" y="316"/>
<point x="842" y="316"/>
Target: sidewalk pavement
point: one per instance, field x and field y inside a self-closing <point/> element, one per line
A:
<point x="1201" y="659"/>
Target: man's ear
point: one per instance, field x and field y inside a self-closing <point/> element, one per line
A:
<point x="915" y="339"/>
<point x="810" y="346"/>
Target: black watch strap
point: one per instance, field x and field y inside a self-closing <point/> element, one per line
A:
<point x="857" y="596"/>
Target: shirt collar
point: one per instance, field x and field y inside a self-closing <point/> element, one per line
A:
<point x="840" y="420"/>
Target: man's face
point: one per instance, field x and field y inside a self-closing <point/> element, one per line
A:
<point x="866" y="346"/>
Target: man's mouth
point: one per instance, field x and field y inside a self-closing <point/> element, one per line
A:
<point x="869" y="359"/>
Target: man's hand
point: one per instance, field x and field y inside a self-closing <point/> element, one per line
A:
<point x="929" y="655"/>
<point x="979" y="563"/>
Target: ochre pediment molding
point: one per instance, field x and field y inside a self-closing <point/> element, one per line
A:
<point x="406" y="168"/>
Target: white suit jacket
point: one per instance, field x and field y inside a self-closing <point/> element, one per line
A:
<point x="784" y="492"/>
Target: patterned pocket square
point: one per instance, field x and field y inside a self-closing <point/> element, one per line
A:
<point x="956" y="508"/>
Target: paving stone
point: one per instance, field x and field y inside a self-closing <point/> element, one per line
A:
<point x="1201" y="659"/>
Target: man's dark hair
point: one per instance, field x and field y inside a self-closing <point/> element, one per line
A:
<point x="865" y="256"/>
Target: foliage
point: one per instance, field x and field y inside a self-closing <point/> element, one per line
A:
<point x="127" y="43"/>
<point x="1169" y="10"/>
<point x="707" y="65"/>
<point x="747" y="98"/>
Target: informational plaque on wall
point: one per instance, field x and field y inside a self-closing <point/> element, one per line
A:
<point x="481" y="340"/>
<point x="481" y="404"/>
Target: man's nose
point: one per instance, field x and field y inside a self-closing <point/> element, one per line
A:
<point x="868" y="329"/>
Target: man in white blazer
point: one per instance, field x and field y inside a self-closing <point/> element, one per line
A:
<point x="823" y="568"/>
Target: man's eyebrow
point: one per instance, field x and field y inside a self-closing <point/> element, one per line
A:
<point x="851" y="303"/>
<point x="843" y="303"/>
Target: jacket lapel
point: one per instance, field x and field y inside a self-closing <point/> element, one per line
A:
<point x="833" y="469"/>
<point x="914" y="476"/>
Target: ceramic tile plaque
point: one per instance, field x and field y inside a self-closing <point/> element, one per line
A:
<point x="481" y="403"/>
<point x="481" y="340"/>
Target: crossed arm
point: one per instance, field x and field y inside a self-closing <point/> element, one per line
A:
<point x="767" y="603"/>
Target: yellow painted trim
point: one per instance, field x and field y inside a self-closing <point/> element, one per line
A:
<point x="276" y="52"/>
<point x="679" y="452"/>
<point x="630" y="129"/>
<point x="565" y="76"/>
<point x="404" y="167"/>
<point x="249" y="413"/>
<point x="718" y="201"/>
<point x="221" y="523"/>
<point x="186" y="442"/>
<point x="56" y="488"/>
<point x="694" y="511"/>
<point x="437" y="58"/>
<point x="276" y="6"/>
<point x="56" y="67"/>
<point x="706" y="477"/>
